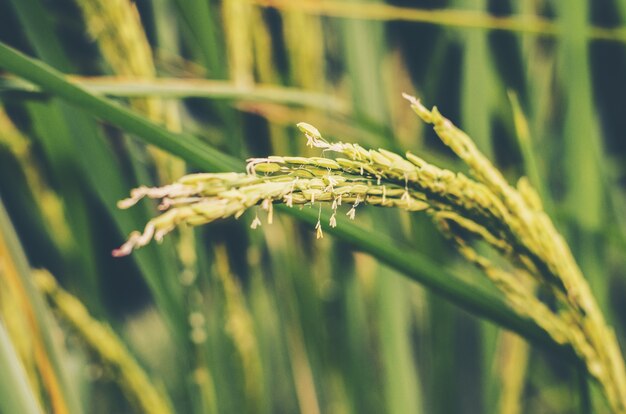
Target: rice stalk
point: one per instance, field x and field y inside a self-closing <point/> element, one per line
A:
<point x="264" y="65"/>
<point x="513" y="356"/>
<point x="17" y="396"/>
<point x="116" y="26"/>
<point x="484" y="208"/>
<point x="26" y="332"/>
<point x="22" y="329"/>
<point x="304" y="40"/>
<point x="304" y="48"/>
<point x="301" y="370"/>
<point x="547" y="258"/>
<point x="173" y="88"/>
<point x="18" y="329"/>
<point x="290" y="313"/>
<point x="134" y="381"/>
<point x="49" y="204"/>
<point x="238" y="18"/>
<point x="526" y="24"/>
<point x="239" y="326"/>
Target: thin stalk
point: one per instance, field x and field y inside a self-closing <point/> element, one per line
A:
<point x="137" y="87"/>
<point x="41" y="321"/>
<point x="528" y="152"/>
<point x="452" y="18"/>
<point x="16" y="396"/>
<point x="103" y="341"/>
<point x="200" y="20"/>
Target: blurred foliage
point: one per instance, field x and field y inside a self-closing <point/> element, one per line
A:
<point x="227" y="319"/>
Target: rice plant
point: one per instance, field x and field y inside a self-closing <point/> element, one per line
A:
<point x="374" y="262"/>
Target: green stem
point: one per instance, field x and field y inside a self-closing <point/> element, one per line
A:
<point x="187" y="88"/>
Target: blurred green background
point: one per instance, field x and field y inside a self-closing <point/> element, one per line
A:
<point x="226" y="319"/>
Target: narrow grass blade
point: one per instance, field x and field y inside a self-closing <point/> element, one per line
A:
<point x="189" y="88"/>
<point x="583" y="147"/>
<point x="42" y="322"/>
<point x="201" y="22"/>
<point x="444" y="17"/>
<point x="479" y="86"/>
<point x="103" y="342"/>
<point x="527" y="148"/>
<point x="402" y="380"/>
<point x="16" y="396"/>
